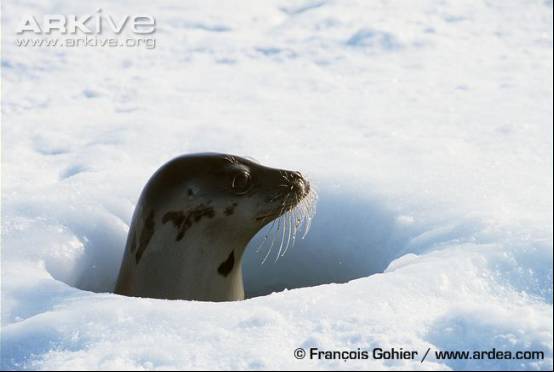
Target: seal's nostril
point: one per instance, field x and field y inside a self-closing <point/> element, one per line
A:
<point x="300" y="186"/>
<point x="298" y="183"/>
<point x="296" y="177"/>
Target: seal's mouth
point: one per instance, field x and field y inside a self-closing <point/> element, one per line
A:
<point x="277" y="212"/>
<point x="280" y="210"/>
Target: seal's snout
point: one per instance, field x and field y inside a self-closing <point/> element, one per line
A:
<point x="288" y="191"/>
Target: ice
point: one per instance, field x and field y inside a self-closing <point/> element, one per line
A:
<point x="426" y="128"/>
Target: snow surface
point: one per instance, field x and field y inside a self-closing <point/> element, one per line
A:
<point x="426" y="126"/>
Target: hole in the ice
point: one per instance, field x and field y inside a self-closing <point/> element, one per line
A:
<point x="350" y="238"/>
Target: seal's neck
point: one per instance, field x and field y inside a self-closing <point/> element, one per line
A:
<point x="211" y="268"/>
<point x="203" y="266"/>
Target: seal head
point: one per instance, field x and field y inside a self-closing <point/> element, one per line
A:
<point x="193" y="221"/>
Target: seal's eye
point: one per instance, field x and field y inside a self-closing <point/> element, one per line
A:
<point x="241" y="183"/>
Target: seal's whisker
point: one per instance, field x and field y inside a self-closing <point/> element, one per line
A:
<point x="302" y="214"/>
<point x="267" y="254"/>
<point x="273" y="232"/>
<point x="278" y="222"/>
<point x="310" y="205"/>
<point x="301" y="218"/>
<point x="289" y="236"/>
<point x="264" y="240"/>
<point x="269" y="231"/>
<point x="261" y="244"/>
<point x="282" y="239"/>
<point x="273" y="235"/>
<point x="305" y="216"/>
<point x="295" y="216"/>
<point x="285" y="227"/>
<point x="292" y="233"/>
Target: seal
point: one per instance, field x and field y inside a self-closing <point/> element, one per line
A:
<point x="193" y="221"/>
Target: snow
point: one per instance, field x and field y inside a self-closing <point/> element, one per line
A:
<point x="426" y="127"/>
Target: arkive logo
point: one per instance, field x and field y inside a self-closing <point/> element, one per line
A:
<point x="94" y="23"/>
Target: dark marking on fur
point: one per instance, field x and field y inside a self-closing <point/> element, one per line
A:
<point x="230" y="209"/>
<point x="189" y="192"/>
<point x="227" y="265"/>
<point x="184" y="220"/>
<point x="145" y="235"/>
